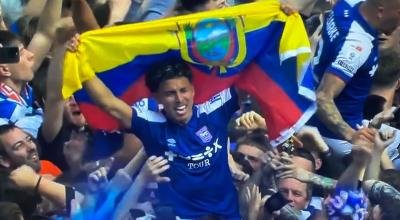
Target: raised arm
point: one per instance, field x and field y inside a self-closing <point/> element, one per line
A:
<point x="3" y="25"/>
<point x="26" y="177"/>
<point x="118" y="10"/>
<point x="103" y="97"/>
<point x="329" y="88"/>
<point x="54" y="105"/>
<point x="361" y="154"/>
<point x="106" y="100"/>
<point x="151" y="171"/>
<point x="34" y="7"/>
<point x="83" y="16"/>
<point x="380" y="144"/>
<point x="45" y="33"/>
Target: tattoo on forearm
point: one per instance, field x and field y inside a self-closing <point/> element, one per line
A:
<point x="330" y="116"/>
<point x="324" y="182"/>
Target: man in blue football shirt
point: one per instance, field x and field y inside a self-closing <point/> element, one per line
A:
<point x="16" y="96"/>
<point x="345" y="62"/>
<point x="192" y="137"/>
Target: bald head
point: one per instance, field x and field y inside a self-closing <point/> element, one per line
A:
<point x="383" y="15"/>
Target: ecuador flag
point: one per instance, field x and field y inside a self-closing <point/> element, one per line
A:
<point x="255" y="47"/>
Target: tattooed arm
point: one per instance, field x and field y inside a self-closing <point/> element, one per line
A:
<point x="306" y="176"/>
<point x="329" y="88"/>
<point x="322" y="181"/>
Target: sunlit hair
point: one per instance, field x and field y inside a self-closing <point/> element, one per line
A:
<point x="166" y="70"/>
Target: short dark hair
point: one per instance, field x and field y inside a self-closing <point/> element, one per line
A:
<point x="256" y="139"/>
<point x="193" y="5"/>
<point x="9" y="39"/>
<point x="3" y="130"/>
<point x="388" y="69"/>
<point x="303" y="153"/>
<point x="10" y="211"/>
<point x="165" y="70"/>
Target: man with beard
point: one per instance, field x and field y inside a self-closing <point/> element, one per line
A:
<point x="17" y="148"/>
<point x="19" y="166"/>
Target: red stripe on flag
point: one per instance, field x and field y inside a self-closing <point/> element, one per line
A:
<point x="280" y="111"/>
<point x="208" y="85"/>
<point x="136" y="91"/>
<point x="97" y="118"/>
<point x="102" y="120"/>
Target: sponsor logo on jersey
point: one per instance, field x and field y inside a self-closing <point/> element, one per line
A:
<point x="171" y="142"/>
<point x="199" y="160"/>
<point x="373" y="70"/>
<point x="331" y="28"/>
<point x="345" y="66"/>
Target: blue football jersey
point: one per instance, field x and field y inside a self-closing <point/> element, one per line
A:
<point x="348" y="49"/>
<point x="201" y="182"/>
<point x="13" y="110"/>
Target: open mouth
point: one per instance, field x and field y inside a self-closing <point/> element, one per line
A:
<point x="181" y="110"/>
<point x="34" y="157"/>
<point x="76" y="113"/>
<point x="382" y="39"/>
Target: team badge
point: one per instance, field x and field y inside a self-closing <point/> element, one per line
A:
<point x="204" y="134"/>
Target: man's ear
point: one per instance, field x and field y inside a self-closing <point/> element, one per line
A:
<point x="156" y="96"/>
<point x="4" y="162"/>
<point x="318" y="164"/>
<point x="4" y="71"/>
<point x="381" y="11"/>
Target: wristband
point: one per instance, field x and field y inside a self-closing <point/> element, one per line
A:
<point x="37" y="184"/>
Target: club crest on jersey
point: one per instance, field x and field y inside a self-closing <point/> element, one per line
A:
<point x="204" y="134"/>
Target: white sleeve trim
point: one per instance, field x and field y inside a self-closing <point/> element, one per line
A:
<point x="215" y="102"/>
<point x="148" y="115"/>
<point x="355" y="51"/>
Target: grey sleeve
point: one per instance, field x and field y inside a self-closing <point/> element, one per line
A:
<point x="150" y="10"/>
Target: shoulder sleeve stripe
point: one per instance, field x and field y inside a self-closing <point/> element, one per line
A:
<point x="352" y="3"/>
<point x="354" y="51"/>
<point x="215" y="102"/>
<point x="149" y="115"/>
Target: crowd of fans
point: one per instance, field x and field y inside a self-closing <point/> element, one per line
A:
<point x="208" y="161"/>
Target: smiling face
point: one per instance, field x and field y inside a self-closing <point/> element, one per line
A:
<point x="20" y="149"/>
<point x="176" y="95"/>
